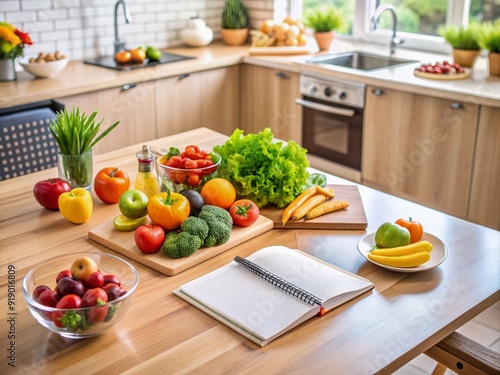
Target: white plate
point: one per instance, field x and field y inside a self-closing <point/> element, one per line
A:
<point x="438" y="254"/>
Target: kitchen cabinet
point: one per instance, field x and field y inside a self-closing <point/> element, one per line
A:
<point x="208" y="98"/>
<point x="419" y="147"/>
<point x="132" y="105"/>
<point x="484" y="203"/>
<point x="268" y="100"/>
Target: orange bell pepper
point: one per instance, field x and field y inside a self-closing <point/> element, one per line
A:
<point x="168" y="210"/>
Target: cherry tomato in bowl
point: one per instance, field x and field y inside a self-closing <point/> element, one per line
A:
<point x="244" y="212"/>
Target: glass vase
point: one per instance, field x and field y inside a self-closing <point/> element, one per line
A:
<point x="76" y="169"/>
<point x="7" y="70"/>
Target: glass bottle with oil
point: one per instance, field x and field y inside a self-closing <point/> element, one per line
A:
<point x="147" y="179"/>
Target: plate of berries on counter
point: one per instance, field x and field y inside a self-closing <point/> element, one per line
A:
<point x="441" y="70"/>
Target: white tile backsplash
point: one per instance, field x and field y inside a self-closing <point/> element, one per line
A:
<point x="81" y="27"/>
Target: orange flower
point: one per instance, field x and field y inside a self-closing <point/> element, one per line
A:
<point x="9" y="36"/>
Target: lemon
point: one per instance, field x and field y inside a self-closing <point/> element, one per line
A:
<point x="126" y="224"/>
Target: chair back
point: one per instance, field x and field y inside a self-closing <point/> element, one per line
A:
<point x="26" y="144"/>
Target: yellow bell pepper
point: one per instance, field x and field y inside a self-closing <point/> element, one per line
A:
<point x="76" y="205"/>
<point x="168" y="210"/>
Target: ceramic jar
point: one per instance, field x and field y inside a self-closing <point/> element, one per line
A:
<point x="197" y="33"/>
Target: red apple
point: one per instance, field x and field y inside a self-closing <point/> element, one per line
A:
<point x="83" y="267"/>
<point x="47" y="192"/>
<point x="63" y="274"/>
<point x="95" y="280"/>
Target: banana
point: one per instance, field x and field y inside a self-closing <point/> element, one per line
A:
<point x="404" y="250"/>
<point x="402" y="261"/>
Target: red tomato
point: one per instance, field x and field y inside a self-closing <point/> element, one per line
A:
<point x="95" y="280"/>
<point x="110" y="183"/>
<point x="49" y="298"/>
<point x="47" y="192"/>
<point x="244" y="212"/>
<point x="67" y="318"/>
<point x="414" y="227"/>
<point x="149" y="238"/>
<point x="97" y="314"/>
<point x="93" y="296"/>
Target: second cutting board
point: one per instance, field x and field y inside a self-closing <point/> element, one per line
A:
<point x="353" y="217"/>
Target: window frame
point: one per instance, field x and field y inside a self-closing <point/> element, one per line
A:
<point x="458" y="14"/>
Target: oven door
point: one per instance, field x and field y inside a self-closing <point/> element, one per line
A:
<point x="332" y="131"/>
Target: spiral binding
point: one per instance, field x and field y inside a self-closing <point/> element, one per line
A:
<point x="278" y="281"/>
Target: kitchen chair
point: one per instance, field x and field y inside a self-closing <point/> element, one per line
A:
<point x="26" y="144"/>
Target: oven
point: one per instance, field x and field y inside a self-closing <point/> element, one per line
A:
<point x="332" y="124"/>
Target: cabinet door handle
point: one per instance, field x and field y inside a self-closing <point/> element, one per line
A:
<point x="456" y="106"/>
<point x="281" y="75"/>
<point x="378" y="92"/>
<point x="129" y="86"/>
<point x="182" y="76"/>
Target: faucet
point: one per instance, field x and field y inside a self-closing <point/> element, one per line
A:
<point x="374" y="20"/>
<point x="119" y="45"/>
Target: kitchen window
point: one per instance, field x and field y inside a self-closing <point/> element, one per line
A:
<point x="417" y="19"/>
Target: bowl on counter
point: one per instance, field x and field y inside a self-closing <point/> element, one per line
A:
<point x="44" y="69"/>
<point x="94" y="320"/>
<point x="177" y="179"/>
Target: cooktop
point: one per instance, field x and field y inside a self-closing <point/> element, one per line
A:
<point x="110" y="63"/>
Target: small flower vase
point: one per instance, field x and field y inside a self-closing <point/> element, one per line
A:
<point x="7" y="70"/>
<point x="76" y="169"/>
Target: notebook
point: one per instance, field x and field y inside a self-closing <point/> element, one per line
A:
<point x="272" y="291"/>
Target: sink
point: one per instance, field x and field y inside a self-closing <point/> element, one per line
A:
<point x="359" y="60"/>
<point x="110" y="63"/>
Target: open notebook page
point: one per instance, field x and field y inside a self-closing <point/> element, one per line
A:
<point x="248" y="301"/>
<point x="327" y="283"/>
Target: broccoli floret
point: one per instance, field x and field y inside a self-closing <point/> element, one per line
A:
<point x="209" y="212"/>
<point x="196" y="227"/>
<point x="219" y="223"/>
<point x="218" y="233"/>
<point x="183" y="244"/>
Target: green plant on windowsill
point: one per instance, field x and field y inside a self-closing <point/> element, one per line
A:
<point x="76" y="134"/>
<point x="489" y="38"/>
<point x="323" y="19"/>
<point x="466" y="38"/>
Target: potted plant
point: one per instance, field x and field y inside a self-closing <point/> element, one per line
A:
<point x="324" y="20"/>
<point x="75" y="133"/>
<point x="490" y="41"/>
<point x="464" y="41"/>
<point x="12" y="43"/>
<point x="234" y="23"/>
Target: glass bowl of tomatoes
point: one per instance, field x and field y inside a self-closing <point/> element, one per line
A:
<point x="80" y="295"/>
<point x="189" y="169"/>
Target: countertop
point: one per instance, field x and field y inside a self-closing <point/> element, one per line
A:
<point x="79" y="78"/>
<point x="378" y="332"/>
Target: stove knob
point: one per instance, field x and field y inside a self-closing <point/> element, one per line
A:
<point x="313" y="89"/>
<point x="342" y="95"/>
<point x="328" y="91"/>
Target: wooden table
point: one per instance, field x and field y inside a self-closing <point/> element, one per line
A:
<point x="381" y="331"/>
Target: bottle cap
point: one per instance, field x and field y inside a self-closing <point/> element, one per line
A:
<point x="145" y="155"/>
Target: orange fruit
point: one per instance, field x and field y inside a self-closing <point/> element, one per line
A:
<point x="138" y="54"/>
<point x="219" y="192"/>
<point x="123" y="57"/>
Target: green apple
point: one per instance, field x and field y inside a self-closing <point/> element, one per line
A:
<point x="133" y="204"/>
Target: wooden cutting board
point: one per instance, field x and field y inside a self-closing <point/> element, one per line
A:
<point x="123" y="243"/>
<point x="353" y="217"/>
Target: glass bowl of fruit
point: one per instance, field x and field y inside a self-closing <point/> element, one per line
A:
<point x="187" y="170"/>
<point x="80" y="295"/>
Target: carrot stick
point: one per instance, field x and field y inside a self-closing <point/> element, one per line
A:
<point x="308" y="205"/>
<point x="297" y="202"/>
<point x="326" y="191"/>
<point x="326" y="207"/>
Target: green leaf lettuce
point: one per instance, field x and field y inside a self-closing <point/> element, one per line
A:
<point x="264" y="171"/>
